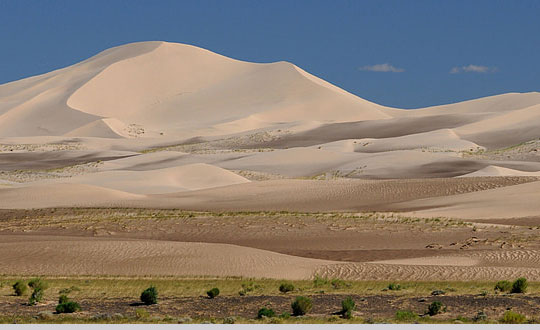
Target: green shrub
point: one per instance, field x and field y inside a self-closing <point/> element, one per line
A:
<point x="347" y="307"/>
<point x="301" y="306"/>
<point x="503" y="286"/>
<point x="212" y="293"/>
<point x="20" y="288"/>
<point x="265" y="312"/>
<point x="149" y="296"/>
<point x="519" y="285"/>
<point x="406" y="316"/>
<point x="512" y="318"/>
<point x="435" y="308"/>
<point x="286" y="287"/>
<point x="63" y="299"/>
<point x="68" y="307"/>
<point x="37" y="296"/>
<point x="394" y="287"/>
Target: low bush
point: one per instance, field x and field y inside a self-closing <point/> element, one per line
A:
<point x="519" y="285"/>
<point x="394" y="287"/>
<point x="435" y="308"/>
<point x="20" y="288"/>
<point x="286" y="287"/>
<point x="212" y="293"/>
<point x="149" y="296"/>
<point x="503" y="286"/>
<point x="512" y="318"/>
<point x="265" y="312"/>
<point x="347" y="307"/>
<point x="68" y="307"/>
<point x="36" y="296"/>
<point x="301" y="306"/>
<point x="406" y="316"/>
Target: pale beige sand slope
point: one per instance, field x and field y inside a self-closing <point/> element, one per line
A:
<point x="506" y="202"/>
<point x="64" y="194"/>
<point x="298" y="195"/>
<point x="80" y="256"/>
<point x="167" y="180"/>
<point x="373" y="271"/>
<point x="500" y="171"/>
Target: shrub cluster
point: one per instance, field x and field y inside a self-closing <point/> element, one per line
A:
<point x="66" y="306"/>
<point x="212" y="293"/>
<point x="301" y="306"/>
<point x="286" y="287"/>
<point x="519" y="285"/>
<point x="265" y="312"/>
<point x="435" y="308"/>
<point x="503" y="286"/>
<point x="38" y="287"/>
<point x="149" y="296"/>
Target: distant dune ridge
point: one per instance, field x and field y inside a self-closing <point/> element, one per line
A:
<point x="139" y="122"/>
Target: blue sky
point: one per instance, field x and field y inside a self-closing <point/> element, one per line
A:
<point x="398" y="53"/>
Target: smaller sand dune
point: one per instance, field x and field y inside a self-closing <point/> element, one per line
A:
<point x="80" y="256"/>
<point x="500" y="171"/>
<point x="167" y="180"/>
<point x="425" y="272"/>
<point x="438" y="140"/>
<point x="62" y="194"/>
<point x="506" y="202"/>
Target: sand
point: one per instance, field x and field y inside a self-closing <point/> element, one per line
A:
<point x="172" y="126"/>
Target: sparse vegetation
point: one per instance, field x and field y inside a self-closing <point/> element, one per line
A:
<point x="212" y="293"/>
<point x="519" y="285"/>
<point x="406" y="316"/>
<point x="149" y="296"/>
<point x="286" y="287"/>
<point x="141" y="313"/>
<point x="319" y="281"/>
<point x="63" y="299"/>
<point x="20" y="288"/>
<point x="347" y="307"/>
<point x="265" y="312"/>
<point x="301" y="306"/>
<point x="394" y="287"/>
<point x="511" y="317"/>
<point x="338" y="284"/>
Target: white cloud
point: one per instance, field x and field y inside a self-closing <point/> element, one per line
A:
<point x="473" y="68"/>
<point x="385" y="67"/>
